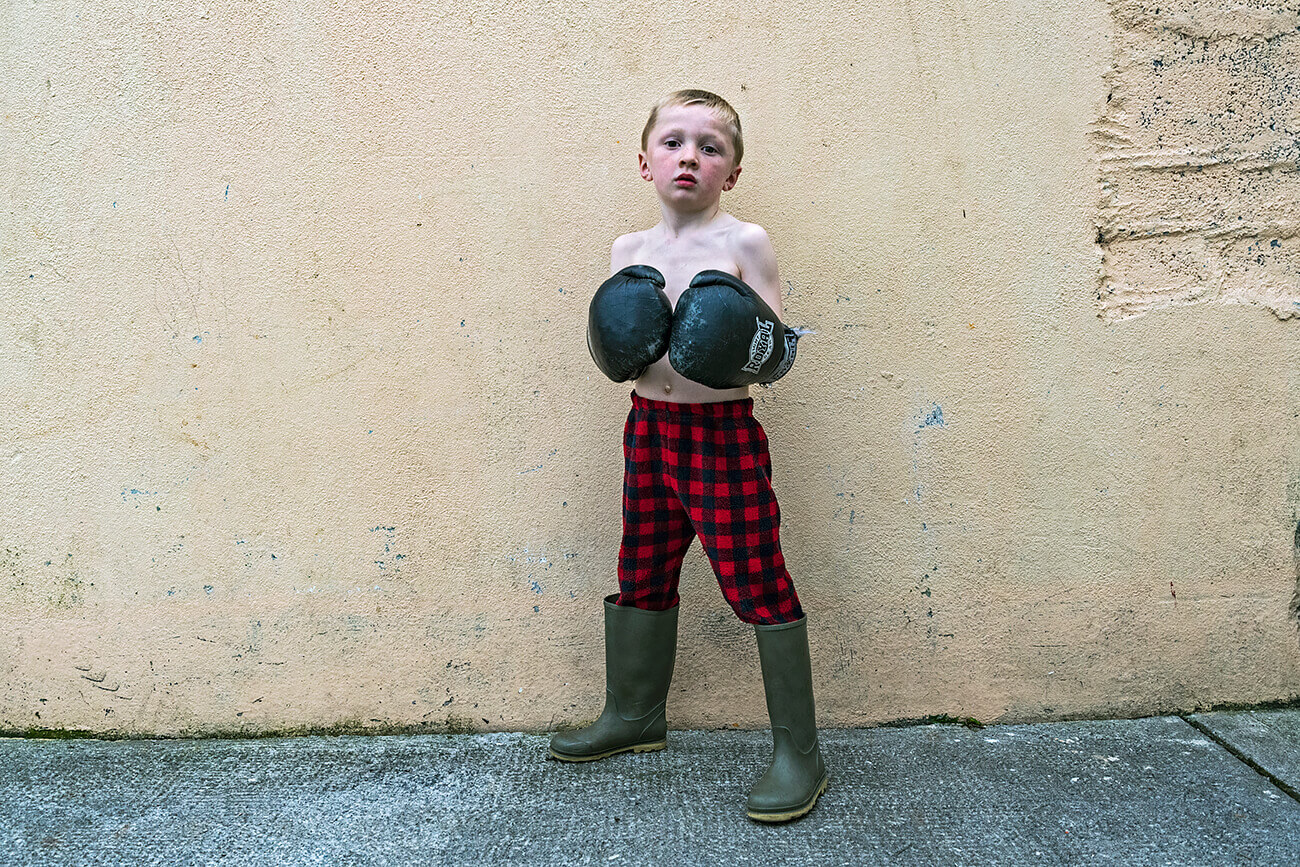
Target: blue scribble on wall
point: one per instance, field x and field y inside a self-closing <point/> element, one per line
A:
<point x="535" y="467"/>
<point x="391" y="561"/>
<point x="932" y="418"/>
<point x="134" y="496"/>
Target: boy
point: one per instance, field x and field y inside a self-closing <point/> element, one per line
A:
<point x="703" y="286"/>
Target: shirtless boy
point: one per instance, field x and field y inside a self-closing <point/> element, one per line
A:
<point x="691" y="314"/>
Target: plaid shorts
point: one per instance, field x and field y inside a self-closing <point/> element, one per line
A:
<point x="702" y="468"/>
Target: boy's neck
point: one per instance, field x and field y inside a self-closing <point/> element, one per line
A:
<point x="677" y="223"/>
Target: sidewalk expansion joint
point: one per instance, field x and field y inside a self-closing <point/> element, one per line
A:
<point x="1243" y="758"/>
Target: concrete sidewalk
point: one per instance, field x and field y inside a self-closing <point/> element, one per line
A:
<point x="1209" y="789"/>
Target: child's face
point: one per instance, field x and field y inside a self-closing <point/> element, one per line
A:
<point x="689" y="157"/>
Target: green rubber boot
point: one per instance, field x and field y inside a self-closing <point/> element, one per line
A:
<point x="797" y="776"/>
<point x="640" y="649"/>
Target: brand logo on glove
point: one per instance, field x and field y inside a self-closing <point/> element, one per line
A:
<point x="760" y="348"/>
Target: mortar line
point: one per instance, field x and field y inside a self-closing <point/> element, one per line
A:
<point x="1243" y="758"/>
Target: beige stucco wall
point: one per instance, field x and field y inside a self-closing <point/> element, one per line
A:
<point x="299" y="430"/>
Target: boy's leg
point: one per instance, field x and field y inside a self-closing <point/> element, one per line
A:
<point x="641" y="620"/>
<point x="729" y="498"/>
<point x="728" y="494"/>
<point x="656" y="528"/>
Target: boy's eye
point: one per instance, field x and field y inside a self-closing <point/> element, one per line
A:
<point x="671" y="143"/>
<point x="709" y="149"/>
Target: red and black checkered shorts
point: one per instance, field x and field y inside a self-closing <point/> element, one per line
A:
<point x="702" y="468"/>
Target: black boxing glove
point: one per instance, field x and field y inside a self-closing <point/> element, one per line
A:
<point x="629" y="322"/>
<point x="725" y="336"/>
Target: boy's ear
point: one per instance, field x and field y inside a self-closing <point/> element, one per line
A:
<point x="644" y="165"/>
<point x="731" y="179"/>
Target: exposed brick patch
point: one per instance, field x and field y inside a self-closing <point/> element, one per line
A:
<point x="1199" y="151"/>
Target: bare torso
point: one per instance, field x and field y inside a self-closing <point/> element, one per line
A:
<point x="679" y="260"/>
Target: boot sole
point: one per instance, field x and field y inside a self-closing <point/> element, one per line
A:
<point x="796" y="813"/>
<point x="634" y="748"/>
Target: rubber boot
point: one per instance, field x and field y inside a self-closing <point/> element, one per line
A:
<point x="797" y="775"/>
<point x="640" y="649"/>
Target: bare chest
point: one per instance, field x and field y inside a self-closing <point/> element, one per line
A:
<point x="680" y="266"/>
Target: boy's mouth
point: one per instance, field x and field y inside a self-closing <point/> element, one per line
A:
<point x="684" y="179"/>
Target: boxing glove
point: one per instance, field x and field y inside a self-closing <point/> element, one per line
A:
<point x="629" y="322"/>
<point x="725" y="336"/>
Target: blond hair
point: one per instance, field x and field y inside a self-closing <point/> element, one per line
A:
<point x="725" y="112"/>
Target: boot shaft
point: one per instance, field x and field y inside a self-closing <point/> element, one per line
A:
<point x="640" y="653"/>
<point x="787" y="680"/>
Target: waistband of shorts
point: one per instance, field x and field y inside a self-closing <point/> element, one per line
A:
<point x="714" y="409"/>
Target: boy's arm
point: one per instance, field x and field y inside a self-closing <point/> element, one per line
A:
<point x="757" y="261"/>
<point x="630" y="319"/>
<point x="722" y="334"/>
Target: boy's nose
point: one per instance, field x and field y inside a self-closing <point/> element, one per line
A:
<point x="687" y="156"/>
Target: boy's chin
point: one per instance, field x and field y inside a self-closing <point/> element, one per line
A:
<point x="690" y="198"/>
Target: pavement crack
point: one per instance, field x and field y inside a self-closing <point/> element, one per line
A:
<point x="1255" y="766"/>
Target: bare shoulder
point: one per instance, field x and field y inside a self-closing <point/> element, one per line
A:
<point x="625" y="250"/>
<point x="757" y="260"/>
<point x="751" y="240"/>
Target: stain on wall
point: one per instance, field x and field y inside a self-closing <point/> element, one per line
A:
<point x="1200" y="157"/>
<point x="1295" y="599"/>
<point x="52" y="581"/>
